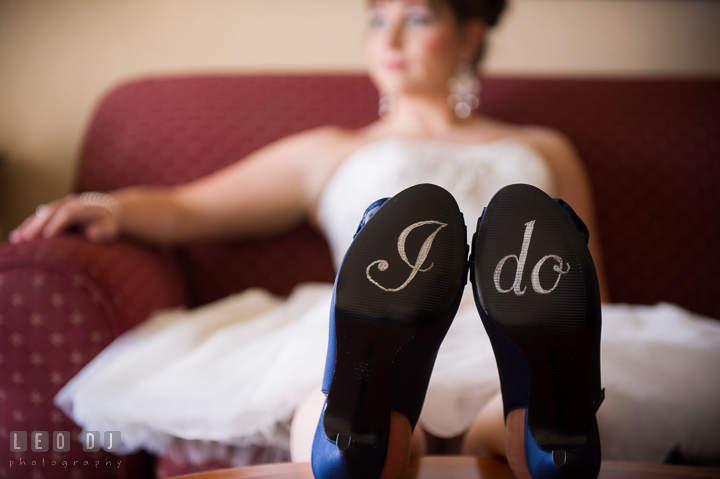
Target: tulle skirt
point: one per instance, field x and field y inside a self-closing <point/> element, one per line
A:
<point x="232" y="372"/>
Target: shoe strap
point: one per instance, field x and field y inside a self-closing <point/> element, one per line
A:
<point x="370" y="212"/>
<point x="579" y="224"/>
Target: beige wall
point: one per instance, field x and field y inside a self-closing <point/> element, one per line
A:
<point x="57" y="57"/>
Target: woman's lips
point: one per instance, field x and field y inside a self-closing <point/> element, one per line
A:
<point x="395" y="65"/>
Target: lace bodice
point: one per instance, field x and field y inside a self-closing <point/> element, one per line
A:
<point x="472" y="173"/>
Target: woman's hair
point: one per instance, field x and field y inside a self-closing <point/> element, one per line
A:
<point x="487" y="10"/>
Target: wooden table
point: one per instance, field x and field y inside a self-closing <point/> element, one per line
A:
<point x="457" y="467"/>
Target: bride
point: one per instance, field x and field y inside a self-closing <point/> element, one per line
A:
<point x="231" y="372"/>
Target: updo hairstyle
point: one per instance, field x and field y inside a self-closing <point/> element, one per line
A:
<point x="488" y="11"/>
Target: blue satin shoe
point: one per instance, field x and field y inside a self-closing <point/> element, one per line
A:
<point x="396" y="294"/>
<point x="536" y="290"/>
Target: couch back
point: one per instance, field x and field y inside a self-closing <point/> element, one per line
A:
<point x="652" y="149"/>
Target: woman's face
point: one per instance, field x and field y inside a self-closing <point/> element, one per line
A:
<point x="414" y="48"/>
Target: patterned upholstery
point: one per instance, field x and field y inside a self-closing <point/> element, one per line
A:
<point x="61" y="302"/>
<point x="651" y="148"/>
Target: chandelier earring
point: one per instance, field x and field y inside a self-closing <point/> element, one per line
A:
<point x="386" y="105"/>
<point x="464" y="87"/>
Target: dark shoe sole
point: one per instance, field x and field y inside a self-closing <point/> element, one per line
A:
<point x="396" y="294"/>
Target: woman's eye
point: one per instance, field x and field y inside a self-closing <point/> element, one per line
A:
<point x="377" y="21"/>
<point x="418" y="19"/>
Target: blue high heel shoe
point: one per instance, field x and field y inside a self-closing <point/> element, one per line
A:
<point x="396" y="294"/>
<point x="537" y="293"/>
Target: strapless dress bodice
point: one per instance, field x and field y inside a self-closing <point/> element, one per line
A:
<point x="472" y="173"/>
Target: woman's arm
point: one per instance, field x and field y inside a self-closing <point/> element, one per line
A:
<point x="269" y="191"/>
<point x="573" y="186"/>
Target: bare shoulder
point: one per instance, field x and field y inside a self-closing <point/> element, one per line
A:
<point x="320" y="134"/>
<point x="555" y="146"/>
<point x="314" y="155"/>
<point x="559" y="154"/>
<point x="325" y="142"/>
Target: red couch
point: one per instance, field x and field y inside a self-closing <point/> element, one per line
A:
<point x="652" y="149"/>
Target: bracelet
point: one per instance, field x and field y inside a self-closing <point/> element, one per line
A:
<point x="41" y="211"/>
<point x="95" y="198"/>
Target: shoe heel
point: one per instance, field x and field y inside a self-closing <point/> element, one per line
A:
<point x="358" y="403"/>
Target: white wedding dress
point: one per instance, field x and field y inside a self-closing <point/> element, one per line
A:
<point x="232" y="372"/>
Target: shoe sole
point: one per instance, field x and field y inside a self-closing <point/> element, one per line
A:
<point x="536" y="282"/>
<point x="386" y="303"/>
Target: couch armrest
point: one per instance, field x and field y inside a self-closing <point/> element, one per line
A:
<point x="62" y="300"/>
<point x="126" y="280"/>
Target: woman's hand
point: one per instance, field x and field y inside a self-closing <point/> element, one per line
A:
<point x="99" y="223"/>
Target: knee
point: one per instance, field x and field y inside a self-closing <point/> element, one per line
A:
<point x="486" y="436"/>
<point x="302" y="427"/>
<point x="515" y="444"/>
<point x="399" y="449"/>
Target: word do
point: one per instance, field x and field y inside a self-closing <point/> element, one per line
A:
<point x="535" y="277"/>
